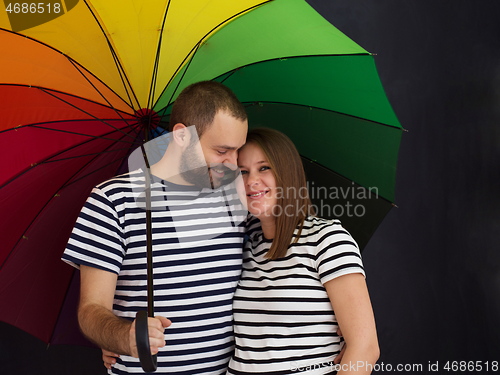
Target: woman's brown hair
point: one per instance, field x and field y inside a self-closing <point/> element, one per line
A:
<point x="293" y="204"/>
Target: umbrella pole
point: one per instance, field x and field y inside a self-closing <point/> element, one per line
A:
<point x="149" y="243"/>
<point x="148" y="361"/>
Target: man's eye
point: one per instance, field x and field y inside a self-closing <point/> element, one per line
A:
<point x="221" y="152"/>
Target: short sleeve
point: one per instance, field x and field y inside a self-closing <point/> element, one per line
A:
<point x="97" y="237"/>
<point x="337" y="253"/>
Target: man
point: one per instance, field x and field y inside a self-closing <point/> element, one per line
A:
<point x="196" y="242"/>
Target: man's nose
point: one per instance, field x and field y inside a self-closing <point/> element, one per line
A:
<point x="231" y="161"/>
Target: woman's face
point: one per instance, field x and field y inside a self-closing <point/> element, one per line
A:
<point x="259" y="180"/>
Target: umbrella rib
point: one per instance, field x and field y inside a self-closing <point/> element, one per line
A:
<point x="124" y="78"/>
<point x="65" y="159"/>
<point x="97" y="90"/>
<point x="83" y="155"/>
<point x="67" y="94"/>
<point x="66" y="184"/>
<point x="59" y="313"/>
<point x="229" y="74"/>
<point x="250" y="104"/>
<point x="72" y="61"/>
<point x="198" y="44"/>
<point x="121" y="71"/>
<point x="152" y="88"/>
<point x="95" y="170"/>
<point x="289" y="58"/>
<point x="180" y="80"/>
<point x="47" y="160"/>
<point x="183" y="74"/>
<point x="38" y="126"/>
<point x="87" y="113"/>
<point x="341" y="175"/>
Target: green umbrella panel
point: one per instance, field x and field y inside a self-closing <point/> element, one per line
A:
<point x="299" y="74"/>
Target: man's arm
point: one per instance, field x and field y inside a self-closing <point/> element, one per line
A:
<point x="104" y="328"/>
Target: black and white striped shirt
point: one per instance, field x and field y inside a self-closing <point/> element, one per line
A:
<point x="197" y="250"/>
<point x="283" y="318"/>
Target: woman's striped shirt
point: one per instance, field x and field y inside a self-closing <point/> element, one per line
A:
<point x="283" y="318"/>
<point x="197" y="250"/>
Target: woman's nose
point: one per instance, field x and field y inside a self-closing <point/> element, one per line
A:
<point x="252" y="179"/>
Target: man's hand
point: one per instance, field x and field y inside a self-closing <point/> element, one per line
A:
<point x="156" y="328"/>
<point x="156" y="332"/>
<point x="104" y="328"/>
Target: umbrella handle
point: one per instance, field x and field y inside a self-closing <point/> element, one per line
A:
<point x="148" y="361"/>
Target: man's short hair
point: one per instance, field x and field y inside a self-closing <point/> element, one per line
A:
<point x="199" y="102"/>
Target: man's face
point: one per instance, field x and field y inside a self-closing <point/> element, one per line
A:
<point x="219" y="146"/>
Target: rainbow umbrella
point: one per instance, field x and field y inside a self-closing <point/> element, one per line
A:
<point x="83" y="85"/>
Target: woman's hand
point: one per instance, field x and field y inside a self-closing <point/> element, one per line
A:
<point x="109" y="358"/>
<point x="339" y="356"/>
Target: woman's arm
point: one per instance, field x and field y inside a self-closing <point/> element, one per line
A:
<point x="351" y="303"/>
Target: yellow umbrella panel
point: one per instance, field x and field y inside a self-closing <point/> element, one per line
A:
<point x="120" y="41"/>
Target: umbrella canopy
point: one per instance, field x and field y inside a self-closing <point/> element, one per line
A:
<point x="79" y="91"/>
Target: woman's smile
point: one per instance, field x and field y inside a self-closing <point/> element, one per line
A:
<point x="257" y="194"/>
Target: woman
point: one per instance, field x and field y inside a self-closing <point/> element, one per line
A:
<point x="298" y="269"/>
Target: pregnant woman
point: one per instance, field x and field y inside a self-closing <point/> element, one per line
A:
<point x="302" y="275"/>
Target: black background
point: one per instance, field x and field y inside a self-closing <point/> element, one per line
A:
<point x="434" y="263"/>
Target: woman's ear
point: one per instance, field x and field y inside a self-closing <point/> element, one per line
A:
<point x="181" y="134"/>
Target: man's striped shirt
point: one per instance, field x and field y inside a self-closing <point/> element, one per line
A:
<point x="197" y="250"/>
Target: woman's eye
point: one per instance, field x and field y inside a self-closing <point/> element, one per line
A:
<point x="264" y="168"/>
<point x="243" y="172"/>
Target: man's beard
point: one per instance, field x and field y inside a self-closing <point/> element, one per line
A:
<point x="201" y="176"/>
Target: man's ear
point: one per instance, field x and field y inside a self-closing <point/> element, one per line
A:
<point x="181" y="134"/>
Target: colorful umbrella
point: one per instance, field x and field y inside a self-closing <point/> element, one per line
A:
<point x="81" y="88"/>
